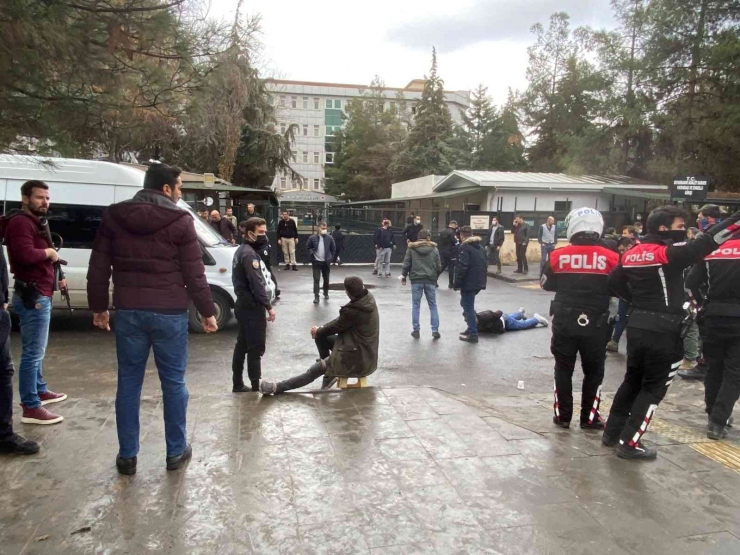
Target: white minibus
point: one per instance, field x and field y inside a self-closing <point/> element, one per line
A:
<point x="81" y="191"/>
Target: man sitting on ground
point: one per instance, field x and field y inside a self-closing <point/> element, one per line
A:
<point x="348" y="345"/>
<point x="490" y="321"/>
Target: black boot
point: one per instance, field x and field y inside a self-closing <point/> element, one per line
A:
<point x="127" y="467"/>
<point x="255" y="385"/>
<point x="596" y="424"/>
<point x="638" y="452"/>
<point x="240" y="388"/>
<point x="173" y="463"/>
<point x="561" y="423"/>
<point x="716" y="431"/>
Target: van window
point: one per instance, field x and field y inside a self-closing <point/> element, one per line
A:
<point x="77" y="224"/>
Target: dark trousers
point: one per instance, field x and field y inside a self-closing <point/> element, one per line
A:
<point x="621" y="322"/>
<point x="274" y="279"/>
<point x="325" y="345"/>
<point x="467" y="302"/>
<point x="722" y="382"/>
<point x="6" y="378"/>
<point x="449" y="262"/>
<point x="521" y="258"/>
<point x="494" y="256"/>
<point x="336" y="255"/>
<point x="653" y="359"/>
<point x="320" y="269"/>
<point x="566" y="344"/>
<point x="315" y="371"/>
<point x="250" y="342"/>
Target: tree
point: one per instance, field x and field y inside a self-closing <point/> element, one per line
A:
<point x="428" y="147"/>
<point x="364" y="148"/>
<point x="502" y="148"/>
<point x="478" y="120"/>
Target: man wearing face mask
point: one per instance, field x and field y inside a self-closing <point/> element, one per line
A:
<point x="495" y="242"/>
<point x="411" y="231"/>
<point x="650" y="278"/>
<point x="151" y="249"/>
<point x="254" y="295"/>
<point x="322" y="249"/>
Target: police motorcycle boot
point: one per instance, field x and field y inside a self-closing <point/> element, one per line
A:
<point x="638" y="452"/>
<point x="596" y="424"/>
<point x="609" y="440"/>
<point x="173" y="463"/>
<point x="612" y="346"/>
<point x="126" y="466"/>
<point x="561" y="423"/>
<point x="716" y="431"/>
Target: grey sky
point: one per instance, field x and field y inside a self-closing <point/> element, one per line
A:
<point x="351" y="41"/>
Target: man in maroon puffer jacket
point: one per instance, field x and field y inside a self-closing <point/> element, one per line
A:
<point x="157" y="267"/>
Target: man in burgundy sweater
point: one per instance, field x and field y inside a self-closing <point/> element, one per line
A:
<point x="32" y="264"/>
<point x="150" y="247"/>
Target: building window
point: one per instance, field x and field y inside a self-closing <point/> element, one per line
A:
<point x="316" y="183"/>
<point x="563" y="205"/>
<point x="329" y="103"/>
<point x="282" y="129"/>
<point x="305" y="103"/>
<point x="294" y="156"/>
<point x="329" y="157"/>
<point x="294" y="102"/>
<point x="283" y="183"/>
<point x="305" y="130"/>
<point x="338" y="104"/>
<point x="282" y="100"/>
<point x="316" y="131"/>
<point x="305" y="157"/>
<point x="329" y="131"/>
<point x="270" y="100"/>
<point x="315" y="157"/>
<point x="316" y="104"/>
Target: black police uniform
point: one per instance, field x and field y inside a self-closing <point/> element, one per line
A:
<point x="253" y="300"/>
<point x="721" y="320"/>
<point x="448" y="244"/>
<point x="650" y="278"/>
<point x="579" y="275"/>
<point x="265" y="252"/>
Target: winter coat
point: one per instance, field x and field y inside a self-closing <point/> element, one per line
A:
<point x="224" y="228"/>
<point x="498" y="236"/>
<point x="27" y="251"/>
<point x="471" y="272"/>
<point x="412" y="232"/>
<point x="490" y="321"/>
<point x="338" y="236"/>
<point x="287" y="230"/>
<point x="521" y="234"/>
<point x="422" y="263"/>
<point x="330" y="247"/>
<point x="383" y="238"/>
<point x="156" y="261"/>
<point x="448" y="242"/>
<point x="355" y="352"/>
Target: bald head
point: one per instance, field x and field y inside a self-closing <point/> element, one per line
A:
<point x="215" y="216"/>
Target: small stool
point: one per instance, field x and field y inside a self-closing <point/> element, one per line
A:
<point x="343" y="383"/>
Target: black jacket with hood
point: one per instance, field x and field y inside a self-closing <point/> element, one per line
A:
<point x="471" y="273"/>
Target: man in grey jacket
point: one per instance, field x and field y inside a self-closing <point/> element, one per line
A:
<point x="423" y="265"/>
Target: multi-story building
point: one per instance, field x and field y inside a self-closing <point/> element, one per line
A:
<point x="316" y="111"/>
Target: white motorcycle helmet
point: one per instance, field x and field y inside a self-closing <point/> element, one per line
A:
<point x="584" y="220"/>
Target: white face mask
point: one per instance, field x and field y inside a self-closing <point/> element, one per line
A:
<point x="494" y="224"/>
<point x="323" y="232"/>
<point x="418" y="222"/>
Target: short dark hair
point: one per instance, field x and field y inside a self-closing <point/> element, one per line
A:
<point x="610" y="231"/>
<point x="252" y="223"/>
<point x="337" y="226"/>
<point x="284" y="211"/>
<point x="711" y="211"/>
<point x="664" y="215"/>
<point x="424" y="234"/>
<point x="625" y="242"/>
<point x="466" y="230"/>
<point x="354" y="286"/>
<point x="452" y="222"/>
<point x="28" y="187"/>
<point x="158" y="175"/>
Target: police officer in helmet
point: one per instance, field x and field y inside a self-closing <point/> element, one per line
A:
<point x="579" y="275"/>
<point x="650" y="278"/>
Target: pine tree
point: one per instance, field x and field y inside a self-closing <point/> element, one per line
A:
<point x="477" y="122"/>
<point x="428" y="149"/>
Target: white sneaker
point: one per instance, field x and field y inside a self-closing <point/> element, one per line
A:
<point x="541" y="319"/>
<point x="522" y="312"/>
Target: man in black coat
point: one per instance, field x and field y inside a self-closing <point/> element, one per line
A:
<point x="471" y="275"/>
<point x="412" y="229"/>
<point x="448" y="244"/>
<point x="496" y="239"/>
<point x="521" y="240"/>
<point x="338" y="236"/>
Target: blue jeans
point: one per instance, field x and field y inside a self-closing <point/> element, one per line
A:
<point x="34" y="338"/>
<point x="430" y="291"/>
<point x="622" y="320"/>
<point x="545" y="250"/>
<point x="515" y="322"/>
<point x="467" y="302"/>
<point x="137" y="332"/>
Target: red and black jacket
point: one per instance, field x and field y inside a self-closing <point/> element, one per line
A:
<point x="579" y="275"/>
<point x="720" y="272"/>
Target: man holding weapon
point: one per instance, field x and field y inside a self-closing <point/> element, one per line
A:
<point x="33" y="262"/>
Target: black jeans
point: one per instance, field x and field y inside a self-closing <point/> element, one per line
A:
<point x="494" y="256"/>
<point x="722" y="353"/>
<point x="449" y="262"/>
<point x="320" y="269"/>
<point x="325" y="345"/>
<point x="6" y="378"/>
<point x="566" y="343"/>
<point x="653" y="359"/>
<point x="521" y="258"/>
<point x="315" y="371"/>
<point x="250" y="342"/>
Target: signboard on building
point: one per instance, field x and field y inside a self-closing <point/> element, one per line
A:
<point x="691" y="188"/>
<point x="479" y="222"/>
<point x="209" y="180"/>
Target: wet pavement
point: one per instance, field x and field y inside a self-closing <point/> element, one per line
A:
<point x="443" y="455"/>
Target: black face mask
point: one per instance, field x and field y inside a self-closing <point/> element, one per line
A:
<point x="259" y="241"/>
<point x="674" y="235"/>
